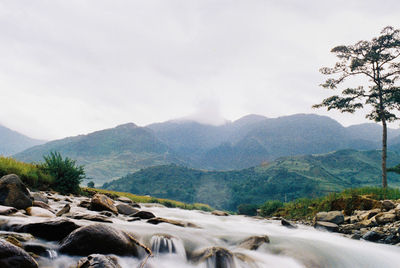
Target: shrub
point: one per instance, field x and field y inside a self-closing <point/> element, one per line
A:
<point x="90" y="184"/>
<point x="247" y="209"/>
<point x="269" y="207"/>
<point x="66" y="173"/>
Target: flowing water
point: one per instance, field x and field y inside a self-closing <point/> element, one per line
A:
<point x="303" y="247"/>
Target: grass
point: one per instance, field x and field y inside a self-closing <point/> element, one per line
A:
<point x="150" y="199"/>
<point x="32" y="175"/>
<point x="348" y="200"/>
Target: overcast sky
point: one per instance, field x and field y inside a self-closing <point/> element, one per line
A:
<point x="72" y="67"/>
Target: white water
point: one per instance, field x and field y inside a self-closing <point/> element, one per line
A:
<point x="302" y="247"/>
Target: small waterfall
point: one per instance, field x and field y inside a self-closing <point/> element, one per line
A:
<point x="166" y="244"/>
<point x="52" y="254"/>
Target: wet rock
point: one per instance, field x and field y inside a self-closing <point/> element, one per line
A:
<point x="98" y="261"/>
<point x="13" y="256"/>
<point x="143" y="215"/>
<point x="336" y="217"/>
<point x="383" y="218"/>
<point x="64" y="210"/>
<point x="173" y="222"/>
<point x="219" y="213"/>
<point x="14" y="193"/>
<point x="68" y="200"/>
<point x="37" y="196"/>
<point x="124" y="199"/>
<point x="39" y="212"/>
<point x="100" y="202"/>
<point x="388" y="205"/>
<point x="43" y="205"/>
<point x="288" y="224"/>
<point x="51" y="230"/>
<point x="372" y="236"/>
<point x="99" y="238"/>
<point x="329" y="226"/>
<point x="215" y="256"/>
<point x="89" y="217"/>
<point x="254" y="242"/>
<point x="134" y="219"/>
<point x="17" y="236"/>
<point x="107" y="213"/>
<point x="356" y="236"/>
<point x="38" y="249"/>
<point x="391" y="239"/>
<point x="126" y="209"/>
<point x="84" y="204"/>
<point x="5" y="210"/>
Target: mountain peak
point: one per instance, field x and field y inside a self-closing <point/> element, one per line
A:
<point x="127" y="126"/>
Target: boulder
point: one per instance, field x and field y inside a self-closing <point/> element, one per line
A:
<point x="98" y="261"/>
<point x="21" y="237"/>
<point x="254" y="242"/>
<point x="126" y="209"/>
<point x="325" y="225"/>
<point x="5" y="210"/>
<point x="288" y="224"/>
<point x="388" y="205"/>
<point x="13" y="256"/>
<point x="64" y="210"/>
<point x="38" y="249"/>
<point x="372" y="236"/>
<point x="134" y="219"/>
<point x="84" y="204"/>
<point x="100" y="202"/>
<point x="158" y="220"/>
<point x="99" y="238"/>
<point x="89" y="217"/>
<point x="14" y="193"/>
<point x="37" y="196"/>
<point x="336" y="217"/>
<point x="124" y="199"/>
<point x="221" y="257"/>
<point x="39" y="212"/>
<point x="219" y="213"/>
<point x="143" y="215"/>
<point x="51" y="230"/>
<point x="383" y="218"/>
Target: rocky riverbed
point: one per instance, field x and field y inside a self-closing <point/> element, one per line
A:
<point x="46" y="229"/>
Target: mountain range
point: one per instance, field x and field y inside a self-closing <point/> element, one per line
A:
<point x="12" y="142"/>
<point x="250" y="141"/>
<point x="284" y="179"/>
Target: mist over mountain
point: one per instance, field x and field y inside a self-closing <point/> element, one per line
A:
<point x="12" y="142"/>
<point x="246" y="142"/>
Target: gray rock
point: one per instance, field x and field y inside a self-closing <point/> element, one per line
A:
<point x="219" y="213"/>
<point x="124" y="199"/>
<point x="388" y="205"/>
<point x="372" y="236"/>
<point x="89" y="217"/>
<point x="288" y="224"/>
<point x="336" y="217"/>
<point x="126" y="209"/>
<point x="64" y="210"/>
<point x="98" y="261"/>
<point x="99" y="238"/>
<point x="13" y="256"/>
<point x="222" y="258"/>
<point x="14" y="193"/>
<point x="37" y="196"/>
<point x="329" y="226"/>
<point x="143" y="215"/>
<point x="254" y="242"/>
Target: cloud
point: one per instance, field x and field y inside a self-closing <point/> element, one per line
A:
<point x="70" y="67"/>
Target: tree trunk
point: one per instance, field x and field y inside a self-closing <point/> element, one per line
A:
<point x="384" y="153"/>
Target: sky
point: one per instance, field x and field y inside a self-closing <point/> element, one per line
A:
<point x="73" y="67"/>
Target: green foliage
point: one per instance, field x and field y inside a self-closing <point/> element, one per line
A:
<point x="33" y="175"/>
<point x="247" y="209"/>
<point x="90" y="184"/>
<point x="290" y="177"/>
<point x="269" y="207"/>
<point x="67" y="174"/>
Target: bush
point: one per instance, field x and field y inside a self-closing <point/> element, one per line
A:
<point x="247" y="209"/>
<point x="66" y="173"/>
<point x="90" y="184"/>
<point x="270" y="207"/>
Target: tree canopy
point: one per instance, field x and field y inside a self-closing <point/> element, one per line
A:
<point x="377" y="61"/>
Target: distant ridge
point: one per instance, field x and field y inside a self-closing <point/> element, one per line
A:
<point x="12" y="142"/>
<point x="246" y="142"/>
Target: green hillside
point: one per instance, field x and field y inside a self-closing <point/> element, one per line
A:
<point x="285" y="178"/>
<point x="109" y="153"/>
